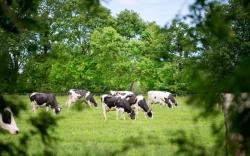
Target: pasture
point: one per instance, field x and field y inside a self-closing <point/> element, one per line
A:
<point x="86" y="133"/>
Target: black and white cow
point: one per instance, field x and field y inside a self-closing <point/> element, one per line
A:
<point x="76" y="94"/>
<point x="139" y="102"/>
<point x="44" y="100"/>
<point x="7" y="121"/>
<point x="161" y="97"/>
<point x="112" y="103"/>
<point x="121" y="94"/>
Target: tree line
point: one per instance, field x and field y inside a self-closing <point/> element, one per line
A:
<point x="71" y="47"/>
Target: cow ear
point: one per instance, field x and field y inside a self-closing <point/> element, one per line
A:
<point x="6" y="116"/>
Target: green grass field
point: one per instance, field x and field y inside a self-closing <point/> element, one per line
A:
<point x="86" y="133"/>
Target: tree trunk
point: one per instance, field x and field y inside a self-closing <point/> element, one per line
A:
<point x="237" y="120"/>
<point x="131" y="87"/>
<point x="46" y="44"/>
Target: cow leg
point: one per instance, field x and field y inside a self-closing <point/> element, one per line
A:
<point x="136" y="112"/>
<point x="89" y="103"/>
<point x="33" y="104"/>
<point x="124" y="116"/>
<point x="47" y="108"/>
<point x="68" y="103"/>
<point x="104" y="111"/>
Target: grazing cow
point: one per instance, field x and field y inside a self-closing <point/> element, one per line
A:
<point x="44" y="100"/>
<point x="75" y="95"/>
<point x="139" y="102"/>
<point x="163" y="98"/>
<point x="121" y="94"/>
<point x="111" y="103"/>
<point x="7" y="121"/>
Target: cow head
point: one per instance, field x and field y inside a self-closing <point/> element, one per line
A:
<point x="95" y="104"/>
<point x="149" y="114"/>
<point x="132" y="115"/>
<point x="7" y="121"/>
<point x="57" y="110"/>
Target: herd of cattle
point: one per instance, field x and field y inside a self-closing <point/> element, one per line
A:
<point x="120" y="101"/>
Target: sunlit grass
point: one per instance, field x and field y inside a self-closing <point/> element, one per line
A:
<point x="86" y="133"/>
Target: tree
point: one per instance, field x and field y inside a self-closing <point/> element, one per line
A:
<point x="181" y="41"/>
<point x="222" y="70"/>
<point x="109" y="56"/>
<point x="157" y="44"/>
<point x="129" y="24"/>
<point x="68" y="27"/>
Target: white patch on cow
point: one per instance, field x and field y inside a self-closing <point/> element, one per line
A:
<point x="59" y="109"/>
<point x="113" y="92"/>
<point x="34" y="93"/>
<point x="167" y="94"/>
<point x="157" y="97"/>
<point x="73" y="97"/>
<point x="12" y="127"/>
<point x="87" y="94"/>
<point x="139" y="97"/>
<point x="121" y="94"/>
<point x="43" y="105"/>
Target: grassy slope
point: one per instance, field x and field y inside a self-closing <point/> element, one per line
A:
<point x="86" y="133"/>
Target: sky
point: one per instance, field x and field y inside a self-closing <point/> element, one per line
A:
<point x="160" y="11"/>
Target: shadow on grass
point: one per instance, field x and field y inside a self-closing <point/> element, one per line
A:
<point x="80" y="105"/>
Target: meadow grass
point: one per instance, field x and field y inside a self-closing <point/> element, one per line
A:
<point x="86" y="133"/>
